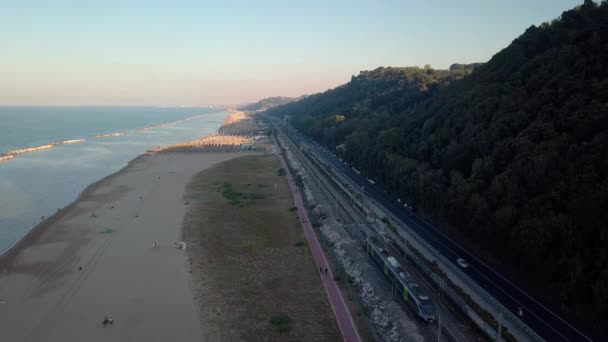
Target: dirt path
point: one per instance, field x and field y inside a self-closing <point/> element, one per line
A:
<point x="345" y="321"/>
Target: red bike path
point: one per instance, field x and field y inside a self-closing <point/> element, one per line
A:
<point x="345" y="321"/>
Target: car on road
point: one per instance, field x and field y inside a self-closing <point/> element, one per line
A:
<point x="463" y="263"/>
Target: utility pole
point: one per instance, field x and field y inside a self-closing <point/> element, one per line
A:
<point x="498" y="337"/>
<point x="438" y="328"/>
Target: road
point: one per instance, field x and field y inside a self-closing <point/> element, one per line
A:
<point x="453" y="327"/>
<point x="542" y="320"/>
<point x="345" y="321"/>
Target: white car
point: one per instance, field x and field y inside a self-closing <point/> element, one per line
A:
<point x="463" y="263"/>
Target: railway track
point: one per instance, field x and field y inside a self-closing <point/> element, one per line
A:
<point x="452" y="327"/>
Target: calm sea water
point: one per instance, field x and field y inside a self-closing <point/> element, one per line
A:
<point x="35" y="184"/>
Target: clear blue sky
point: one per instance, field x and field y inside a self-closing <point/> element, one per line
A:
<point x="131" y="52"/>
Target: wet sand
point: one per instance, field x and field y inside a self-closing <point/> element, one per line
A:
<point x="147" y="291"/>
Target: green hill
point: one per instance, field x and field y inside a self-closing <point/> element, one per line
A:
<point x="266" y="103"/>
<point x="511" y="156"/>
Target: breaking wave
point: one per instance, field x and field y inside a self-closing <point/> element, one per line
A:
<point x="8" y="155"/>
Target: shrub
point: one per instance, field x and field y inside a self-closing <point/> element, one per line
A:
<point x="281" y="321"/>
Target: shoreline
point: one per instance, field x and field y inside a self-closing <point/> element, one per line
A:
<point x="39" y="228"/>
<point x="11" y="154"/>
<point x="112" y="251"/>
<point x="58" y="282"/>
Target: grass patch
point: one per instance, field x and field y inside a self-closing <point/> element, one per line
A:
<point x="282" y="322"/>
<point x="254" y="196"/>
<point x="235" y="197"/>
<point x="232" y="196"/>
<point x="248" y="252"/>
<point x="260" y="317"/>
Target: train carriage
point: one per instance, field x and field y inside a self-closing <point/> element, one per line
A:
<point x="410" y="292"/>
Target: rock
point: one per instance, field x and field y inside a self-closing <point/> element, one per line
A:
<point x="385" y="328"/>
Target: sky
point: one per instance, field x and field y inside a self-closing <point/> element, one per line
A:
<point x="181" y="53"/>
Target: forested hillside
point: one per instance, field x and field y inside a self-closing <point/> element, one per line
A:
<point x="514" y="156"/>
<point x="266" y="103"/>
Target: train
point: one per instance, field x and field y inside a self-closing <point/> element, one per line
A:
<point x="409" y="290"/>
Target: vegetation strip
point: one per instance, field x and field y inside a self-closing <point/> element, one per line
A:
<point x="250" y="274"/>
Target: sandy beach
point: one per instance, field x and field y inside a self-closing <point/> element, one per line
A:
<point x="145" y="289"/>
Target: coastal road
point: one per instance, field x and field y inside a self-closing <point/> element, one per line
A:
<point x="343" y="317"/>
<point x="541" y="319"/>
<point x="451" y="325"/>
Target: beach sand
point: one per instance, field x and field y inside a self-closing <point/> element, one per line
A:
<point x="146" y="290"/>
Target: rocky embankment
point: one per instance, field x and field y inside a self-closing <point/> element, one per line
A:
<point x="384" y="325"/>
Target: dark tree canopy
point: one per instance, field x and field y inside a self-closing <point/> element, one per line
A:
<point x="512" y="154"/>
<point x="266" y="103"/>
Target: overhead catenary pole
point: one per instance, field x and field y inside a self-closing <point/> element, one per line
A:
<point x="498" y="337"/>
<point x="438" y="327"/>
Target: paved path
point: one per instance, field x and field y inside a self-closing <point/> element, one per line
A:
<point x="345" y="321"/>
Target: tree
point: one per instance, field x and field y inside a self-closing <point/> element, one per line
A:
<point x="511" y="154"/>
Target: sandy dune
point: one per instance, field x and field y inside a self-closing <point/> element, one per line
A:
<point x="45" y="297"/>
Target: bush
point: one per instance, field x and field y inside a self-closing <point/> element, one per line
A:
<point x="299" y="181"/>
<point x="281" y="321"/>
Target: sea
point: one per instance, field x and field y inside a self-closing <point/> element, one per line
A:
<point x="76" y="146"/>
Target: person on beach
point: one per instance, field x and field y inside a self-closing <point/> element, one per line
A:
<point x="325" y="270"/>
<point x="154" y="245"/>
<point x="321" y="270"/>
<point x="105" y="321"/>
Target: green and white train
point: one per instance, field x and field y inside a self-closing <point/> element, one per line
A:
<point x="410" y="291"/>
